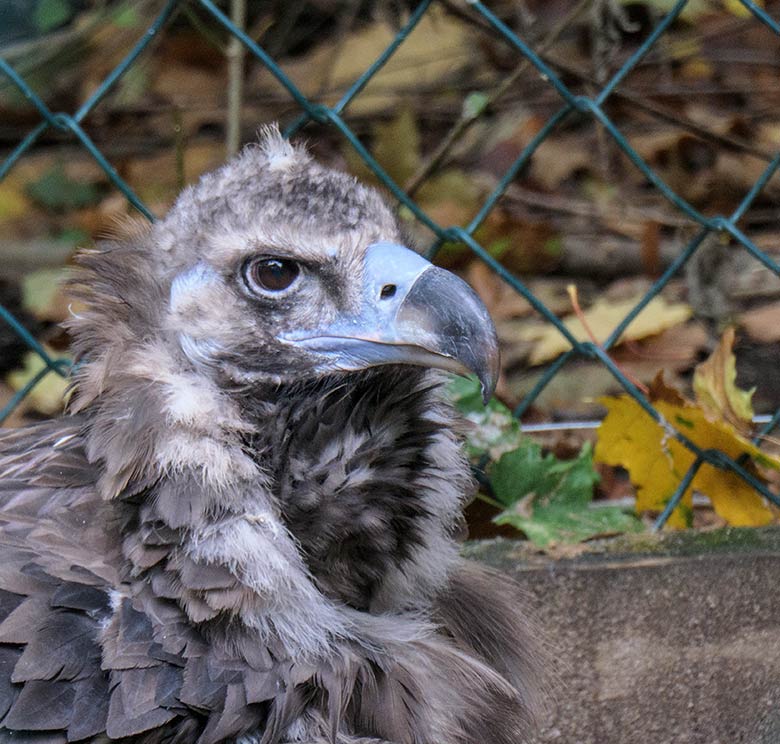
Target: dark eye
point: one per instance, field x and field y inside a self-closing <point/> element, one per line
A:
<point x="271" y="274"/>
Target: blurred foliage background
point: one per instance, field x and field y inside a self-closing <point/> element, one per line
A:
<point x="446" y="117"/>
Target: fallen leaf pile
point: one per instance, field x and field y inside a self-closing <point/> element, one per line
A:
<point x="657" y="462"/>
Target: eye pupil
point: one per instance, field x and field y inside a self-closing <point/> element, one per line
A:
<point x="273" y="274"/>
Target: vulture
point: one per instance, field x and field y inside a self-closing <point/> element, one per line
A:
<point x="245" y="528"/>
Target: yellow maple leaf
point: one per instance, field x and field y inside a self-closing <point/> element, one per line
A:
<point x="602" y="318"/>
<point x="657" y="462"/>
<point x="738" y="9"/>
<point x="715" y="385"/>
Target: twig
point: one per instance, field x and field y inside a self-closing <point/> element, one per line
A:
<point x="235" y="55"/>
<point x="468" y="117"/>
<point x="178" y="140"/>
<point x="769" y="439"/>
<point x="345" y="22"/>
<point x="283" y="24"/>
<point x="488" y="500"/>
<point x="575" y="303"/>
<point x="206" y="30"/>
<point x="36" y="53"/>
<point x="639" y="101"/>
<point x="582" y="208"/>
<point x="637" y="350"/>
<point x="660" y="112"/>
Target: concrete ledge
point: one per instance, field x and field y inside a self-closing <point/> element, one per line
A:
<point x="658" y="640"/>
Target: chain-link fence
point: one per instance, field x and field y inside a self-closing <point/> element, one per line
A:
<point x="571" y="104"/>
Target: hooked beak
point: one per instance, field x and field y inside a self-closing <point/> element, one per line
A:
<point x="412" y="313"/>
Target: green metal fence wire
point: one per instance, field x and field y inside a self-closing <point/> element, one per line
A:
<point x="571" y="105"/>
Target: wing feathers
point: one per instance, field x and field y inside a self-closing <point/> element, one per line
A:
<point x="90" y="599"/>
<point x="90" y="708"/>
<point x="507" y="641"/>
<point x="19" y="625"/>
<point x="134" y="708"/>
<point x="62" y="648"/>
<point x="42" y="705"/>
<point x="8" y="691"/>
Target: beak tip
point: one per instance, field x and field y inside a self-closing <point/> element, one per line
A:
<point x="490" y="369"/>
<point x="487" y="384"/>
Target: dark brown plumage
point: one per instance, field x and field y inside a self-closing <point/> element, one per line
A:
<point x="244" y="528"/>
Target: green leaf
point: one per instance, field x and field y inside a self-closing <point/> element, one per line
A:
<point x="550" y="499"/>
<point x="73" y="236"/>
<point x="49" y="14"/>
<point x="475" y="104"/>
<point x="56" y="191"/>
<point x="465" y="393"/>
<point x="553" y="246"/>
<point x="494" y="429"/>
<point x="499" y="247"/>
<point x="127" y="17"/>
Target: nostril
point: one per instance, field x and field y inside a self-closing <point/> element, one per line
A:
<point x="387" y="291"/>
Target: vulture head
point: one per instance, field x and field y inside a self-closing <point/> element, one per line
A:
<point x="246" y="524"/>
<point x="278" y="270"/>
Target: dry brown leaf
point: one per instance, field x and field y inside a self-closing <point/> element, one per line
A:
<point x="18" y="416"/>
<point x="763" y="323"/>
<point x="715" y="385"/>
<point x="397" y="145"/>
<point x="558" y="158"/>
<point x="602" y="318"/>
<point x="500" y="299"/>
<point x="199" y="157"/>
<point x="433" y="53"/>
<point x="186" y="85"/>
<point x="674" y="349"/>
